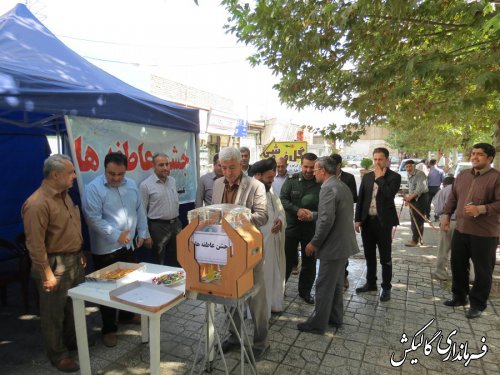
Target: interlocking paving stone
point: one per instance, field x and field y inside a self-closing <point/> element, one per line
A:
<point x="294" y="357"/>
<point x="112" y="354"/>
<point x="99" y="364"/>
<point x="388" y="326"/>
<point x="371" y="332"/>
<point x="493" y="368"/>
<point x="267" y="367"/>
<point x="287" y="370"/>
<point x="284" y="335"/>
<point x="369" y="369"/>
<point x="278" y="351"/>
<point x="310" y="370"/>
<point x="381" y="338"/>
<point x="231" y="363"/>
<point x="313" y="341"/>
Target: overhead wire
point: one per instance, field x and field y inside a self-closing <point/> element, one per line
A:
<point x="169" y="65"/>
<point x="156" y="45"/>
<point x="134" y="63"/>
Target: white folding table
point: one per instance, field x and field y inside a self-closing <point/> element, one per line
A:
<point x="99" y="293"/>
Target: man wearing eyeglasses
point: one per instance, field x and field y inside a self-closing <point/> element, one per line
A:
<point x="333" y="242"/>
<point x="114" y="212"/>
<point x="237" y="188"/>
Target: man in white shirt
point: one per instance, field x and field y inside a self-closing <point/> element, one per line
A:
<point x="161" y="201"/>
<point x="281" y="175"/>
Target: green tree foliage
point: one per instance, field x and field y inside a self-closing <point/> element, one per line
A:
<point x="426" y="68"/>
<point x="366" y="163"/>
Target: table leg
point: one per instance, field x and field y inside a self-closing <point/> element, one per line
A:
<point x="209" y="334"/>
<point x="154" y="344"/>
<point x="144" y="328"/>
<point x="81" y="335"/>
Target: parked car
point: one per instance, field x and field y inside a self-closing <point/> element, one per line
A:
<point x="355" y="162"/>
<point x="461" y="166"/>
<point x="404" y="177"/>
<point x="394" y="163"/>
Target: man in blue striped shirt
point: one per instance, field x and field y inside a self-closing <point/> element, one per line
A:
<point x="114" y="212"/>
<point x="434" y="180"/>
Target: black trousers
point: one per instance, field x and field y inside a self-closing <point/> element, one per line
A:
<point x="433" y="190"/>
<point x="164" y="235"/>
<point x="482" y="251"/>
<point x="308" y="269"/>
<point x="417" y="220"/>
<point x="374" y="235"/>
<point x="108" y="314"/>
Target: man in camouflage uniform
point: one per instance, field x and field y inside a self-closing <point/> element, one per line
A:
<point x="300" y="197"/>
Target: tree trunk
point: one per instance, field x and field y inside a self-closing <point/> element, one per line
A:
<point x="496" y="144"/>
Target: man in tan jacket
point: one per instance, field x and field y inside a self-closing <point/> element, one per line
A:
<point x="237" y="188"/>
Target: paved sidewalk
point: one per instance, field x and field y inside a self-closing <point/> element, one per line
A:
<point x="371" y="333"/>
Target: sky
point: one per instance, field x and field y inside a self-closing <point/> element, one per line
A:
<point x="175" y="39"/>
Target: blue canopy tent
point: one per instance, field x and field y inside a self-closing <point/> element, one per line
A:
<point x="41" y="80"/>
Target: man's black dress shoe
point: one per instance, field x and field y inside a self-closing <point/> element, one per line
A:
<point x="334" y="324"/>
<point x="473" y="313"/>
<point x="228" y="346"/>
<point x="385" y="295"/>
<point x="366" y="288"/>
<point x="306" y="327"/>
<point x="456" y="301"/>
<point x="307" y="298"/>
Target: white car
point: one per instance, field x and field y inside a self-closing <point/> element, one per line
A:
<point x="461" y="166"/>
<point x="354" y="163"/>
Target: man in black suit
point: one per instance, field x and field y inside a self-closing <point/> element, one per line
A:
<point x="246" y="167"/>
<point x="350" y="181"/>
<point x="346" y="178"/>
<point x="376" y="216"/>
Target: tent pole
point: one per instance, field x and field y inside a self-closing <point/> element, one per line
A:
<point x="58" y="135"/>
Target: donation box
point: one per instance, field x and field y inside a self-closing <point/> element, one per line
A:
<point x="219" y="249"/>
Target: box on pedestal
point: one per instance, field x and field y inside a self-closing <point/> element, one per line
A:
<point x="219" y="249"/>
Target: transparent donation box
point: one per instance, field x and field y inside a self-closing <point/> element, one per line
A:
<point x="219" y="249"/>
